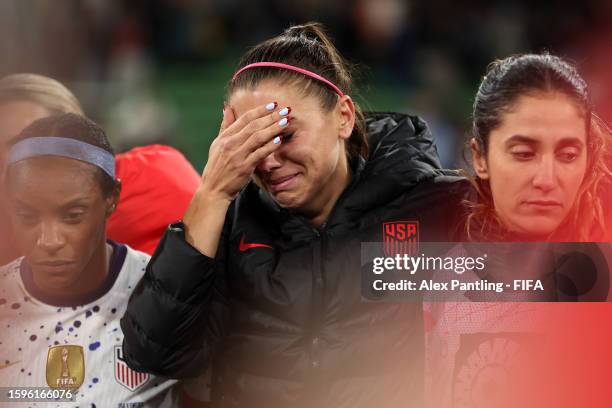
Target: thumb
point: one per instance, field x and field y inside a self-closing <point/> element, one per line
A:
<point x="228" y="117"/>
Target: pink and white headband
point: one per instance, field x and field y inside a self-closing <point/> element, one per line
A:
<point x="290" y="68"/>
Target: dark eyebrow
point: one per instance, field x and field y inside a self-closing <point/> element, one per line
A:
<point x="570" y="141"/>
<point x="20" y="203"/>
<point x="80" y="201"/>
<point x="522" y="139"/>
<point x="11" y="141"/>
<point x="566" y="141"/>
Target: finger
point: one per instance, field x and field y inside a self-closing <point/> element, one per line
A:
<point x="240" y="145"/>
<point x="259" y="131"/>
<point x="256" y="127"/>
<point x="251" y="115"/>
<point x="228" y="117"/>
<point x="277" y="126"/>
<point x="264" y="151"/>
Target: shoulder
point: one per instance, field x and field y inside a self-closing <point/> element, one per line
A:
<point x="443" y="189"/>
<point x="133" y="268"/>
<point x="135" y="257"/>
<point x="445" y="182"/>
<point x="10" y="269"/>
<point x="390" y="131"/>
<point x="11" y="285"/>
<point x="402" y="151"/>
<point x="440" y="203"/>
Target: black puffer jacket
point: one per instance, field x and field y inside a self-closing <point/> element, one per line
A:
<point x="286" y="326"/>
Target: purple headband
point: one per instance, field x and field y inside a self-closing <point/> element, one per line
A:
<point x="290" y="68"/>
<point x="64" y="147"/>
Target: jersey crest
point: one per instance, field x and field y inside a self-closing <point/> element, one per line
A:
<point x="130" y="379"/>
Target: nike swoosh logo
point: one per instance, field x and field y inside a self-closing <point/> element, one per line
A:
<point x="243" y="247"/>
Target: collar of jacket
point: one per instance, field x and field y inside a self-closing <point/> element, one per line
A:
<point x="402" y="154"/>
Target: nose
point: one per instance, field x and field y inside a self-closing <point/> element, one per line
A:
<point x="50" y="238"/>
<point x="545" y="178"/>
<point x="269" y="163"/>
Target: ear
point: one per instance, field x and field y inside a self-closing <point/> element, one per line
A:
<point x="479" y="161"/>
<point x="113" y="200"/>
<point x="345" y="109"/>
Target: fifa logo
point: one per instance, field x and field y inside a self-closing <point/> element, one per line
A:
<point x="401" y="238"/>
<point x="65" y="367"/>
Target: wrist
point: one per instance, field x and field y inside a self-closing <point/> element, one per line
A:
<point x="205" y="202"/>
<point x="212" y="198"/>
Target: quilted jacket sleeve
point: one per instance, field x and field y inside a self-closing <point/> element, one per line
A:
<point x="177" y="314"/>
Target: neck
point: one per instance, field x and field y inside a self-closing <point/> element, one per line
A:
<point x="516" y="235"/>
<point x="96" y="271"/>
<point x="320" y="210"/>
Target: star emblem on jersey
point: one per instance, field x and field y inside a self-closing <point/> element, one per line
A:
<point x="244" y="246"/>
<point x="124" y="375"/>
<point x="65" y="367"/>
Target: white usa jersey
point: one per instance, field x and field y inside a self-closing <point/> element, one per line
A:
<point x="76" y="346"/>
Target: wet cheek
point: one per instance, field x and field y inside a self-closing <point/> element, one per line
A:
<point x="302" y="159"/>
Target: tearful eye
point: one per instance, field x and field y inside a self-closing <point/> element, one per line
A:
<point x="286" y="137"/>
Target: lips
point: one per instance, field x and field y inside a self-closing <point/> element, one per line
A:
<point x="281" y="183"/>
<point x="54" y="267"/>
<point x="544" y="204"/>
<point x="53" y="263"/>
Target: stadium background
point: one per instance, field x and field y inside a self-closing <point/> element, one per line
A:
<point x="155" y="71"/>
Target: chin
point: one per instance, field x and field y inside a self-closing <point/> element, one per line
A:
<point x="57" y="281"/>
<point x="289" y="201"/>
<point x="540" y="228"/>
<point x="58" y="284"/>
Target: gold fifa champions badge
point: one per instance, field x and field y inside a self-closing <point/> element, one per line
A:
<point x="65" y="367"/>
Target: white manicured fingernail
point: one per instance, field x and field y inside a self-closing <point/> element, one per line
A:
<point x="271" y="106"/>
<point x="276" y="140"/>
<point x="284" y="111"/>
<point x="283" y="122"/>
